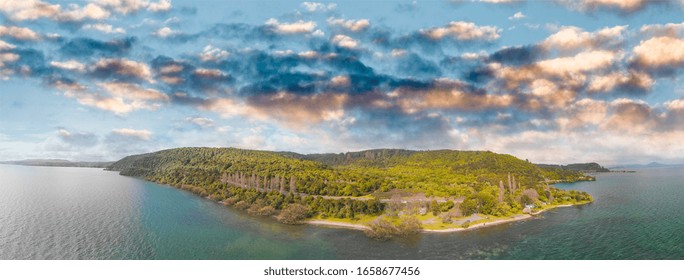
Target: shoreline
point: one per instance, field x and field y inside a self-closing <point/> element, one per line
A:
<point x="520" y="217"/>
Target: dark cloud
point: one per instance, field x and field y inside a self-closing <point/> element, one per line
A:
<point x="185" y="77"/>
<point x="413" y="65"/>
<point x="31" y="62"/>
<point x="393" y="128"/>
<point x="86" y="47"/>
<point x="517" y="56"/>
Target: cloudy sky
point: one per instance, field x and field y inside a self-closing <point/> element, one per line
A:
<point x="550" y="81"/>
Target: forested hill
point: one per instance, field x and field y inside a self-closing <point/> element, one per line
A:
<point x="375" y="158"/>
<point x="441" y="172"/>
<point x="579" y="167"/>
<point x="363" y="184"/>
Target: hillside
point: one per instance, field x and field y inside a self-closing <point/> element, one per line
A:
<point x="366" y="183"/>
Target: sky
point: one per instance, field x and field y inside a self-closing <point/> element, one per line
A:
<point x="549" y="81"/>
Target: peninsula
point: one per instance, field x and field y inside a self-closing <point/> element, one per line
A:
<point x="385" y="192"/>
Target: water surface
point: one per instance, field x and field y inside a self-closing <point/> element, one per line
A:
<point x="82" y="213"/>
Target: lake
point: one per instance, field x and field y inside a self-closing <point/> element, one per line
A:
<point x="85" y="213"/>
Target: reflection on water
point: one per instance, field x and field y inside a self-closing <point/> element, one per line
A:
<point x="79" y="213"/>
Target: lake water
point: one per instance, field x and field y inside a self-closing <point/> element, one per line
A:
<point x="82" y="213"/>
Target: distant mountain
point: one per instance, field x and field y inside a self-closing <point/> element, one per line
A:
<point x="591" y="167"/>
<point x="58" y="163"/>
<point x="650" y="165"/>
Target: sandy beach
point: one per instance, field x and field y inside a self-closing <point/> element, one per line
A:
<point x="515" y="218"/>
<point x="336" y="224"/>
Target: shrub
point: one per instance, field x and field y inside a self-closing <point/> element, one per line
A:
<point x="381" y="229"/>
<point x="446" y="218"/>
<point x="254" y="209"/>
<point x="409" y="225"/>
<point x="293" y="214"/>
<point x="230" y="201"/>
<point x="466" y="224"/>
<point x="266" y="211"/>
<point x="242" y="205"/>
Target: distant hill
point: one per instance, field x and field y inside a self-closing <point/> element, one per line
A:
<point x="58" y="163"/>
<point x="650" y="165"/>
<point x="591" y="167"/>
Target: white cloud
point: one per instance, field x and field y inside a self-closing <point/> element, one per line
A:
<point x="200" y="121"/>
<point x="463" y="31"/>
<point x="297" y="27"/>
<point x="161" y="6"/>
<point x="105" y="28"/>
<point x="570" y="38"/>
<point x="345" y="41"/>
<point x="211" y="53"/>
<point x="165" y="32"/>
<point x="4" y="46"/>
<point x="517" y="16"/>
<point x="72" y="65"/>
<point x="19" y="33"/>
<point x="660" y="52"/>
<point x="351" y="25"/>
<point x="318" y="7"/>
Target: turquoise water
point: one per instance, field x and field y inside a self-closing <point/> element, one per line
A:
<point x="81" y="213"/>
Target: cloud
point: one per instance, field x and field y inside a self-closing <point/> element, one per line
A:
<point x="132" y="6"/>
<point x="200" y="121"/>
<point x="345" y="41"/>
<point x="161" y="6"/>
<point x="293" y="110"/>
<point x="463" y="31"/>
<point x="567" y="71"/>
<point x="142" y="134"/>
<point x="98" y="10"/>
<point x="4" y="46"/>
<point x="211" y="53"/>
<point x="71" y="65"/>
<point x="659" y="54"/>
<point x="501" y="1"/>
<point x="19" y="33"/>
<point x="86" y="47"/>
<point x="517" y="16"/>
<point x="298" y="27"/>
<point x="573" y="38"/>
<point x="121" y="69"/>
<point x="351" y="25"/>
<point x="621" y="6"/>
<point x="105" y="28"/>
<point x="36" y="9"/>
<point x="630" y="116"/>
<point x="118" y="98"/>
<point x="78" y="139"/>
<point x="632" y="81"/>
<point x="669" y="29"/>
<point x="135" y="93"/>
<point x="318" y="7"/>
<point x="127" y="141"/>
<point x="447" y="95"/>
<point x="165" y="32"/>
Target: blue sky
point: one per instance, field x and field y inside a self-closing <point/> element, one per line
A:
<point x="549" y="81"/>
